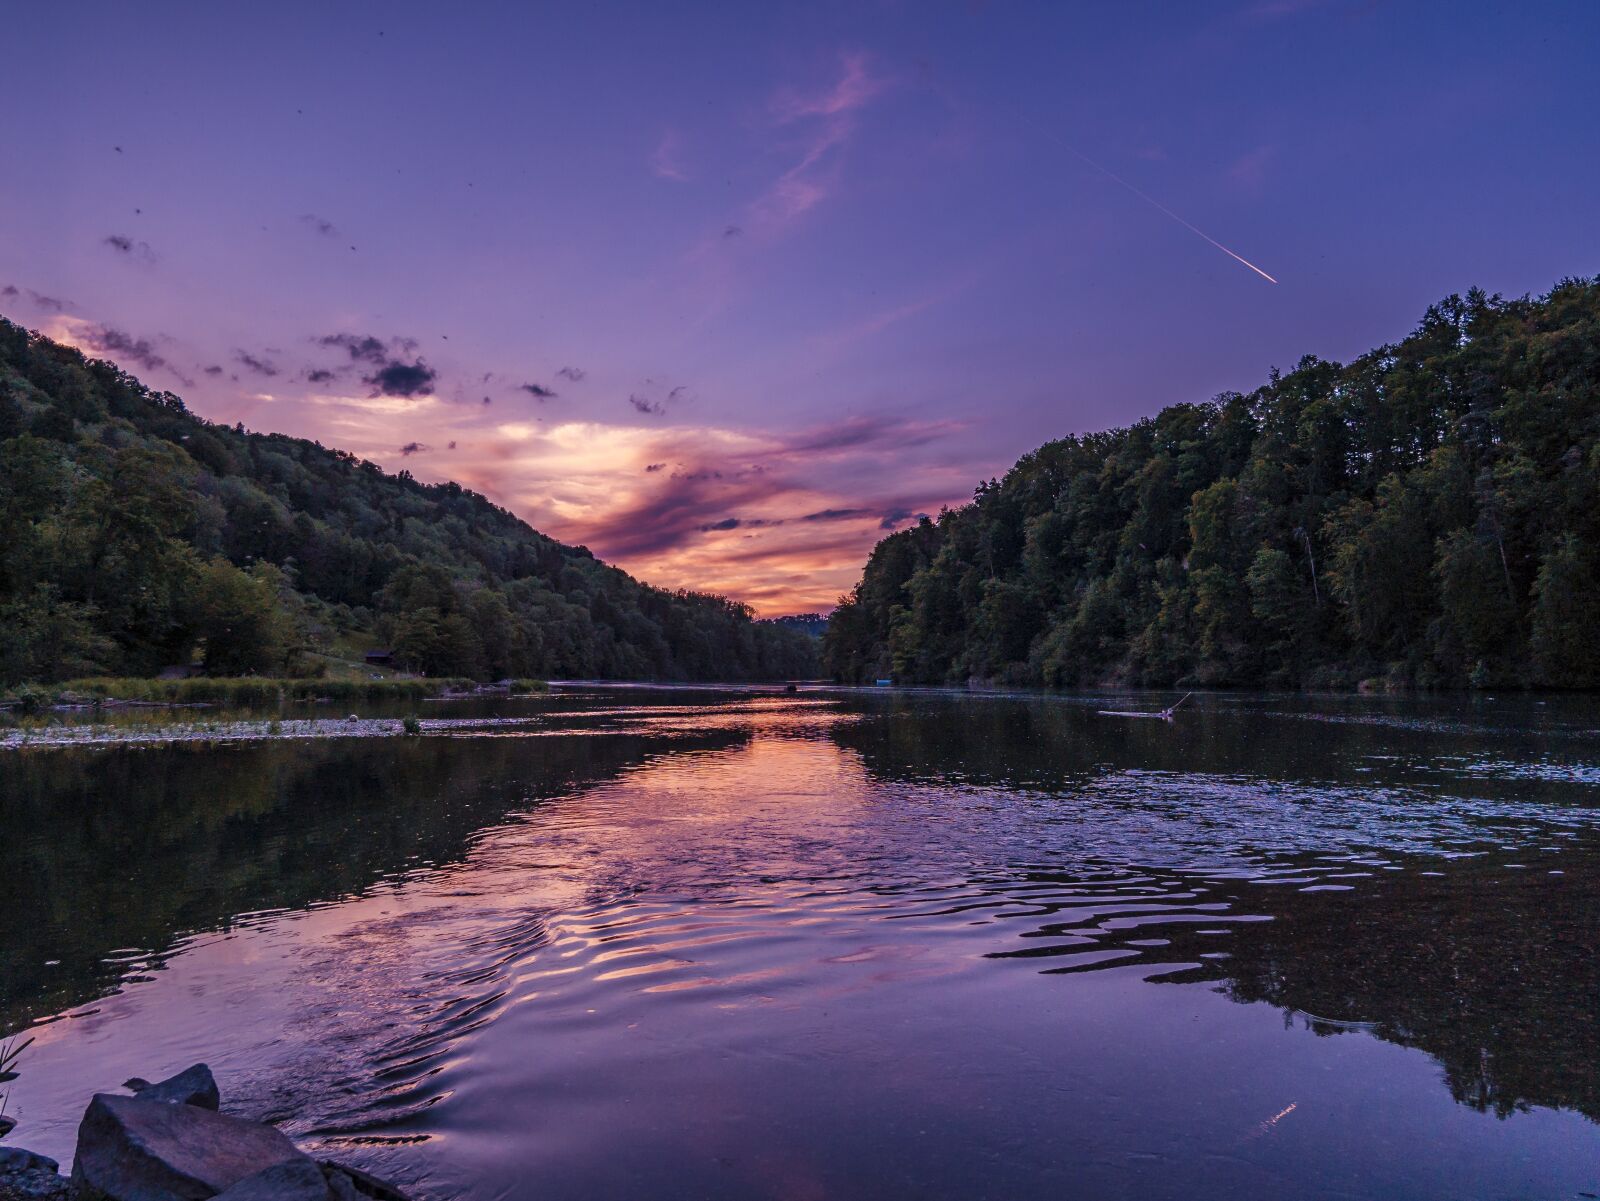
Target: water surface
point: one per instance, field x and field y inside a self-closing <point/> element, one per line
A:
<point x="842" y="945"/>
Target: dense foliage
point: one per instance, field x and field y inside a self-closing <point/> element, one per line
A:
<point x="1428" y="514"/>
<point x="138" y="536"/>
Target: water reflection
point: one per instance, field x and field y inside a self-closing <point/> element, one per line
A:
<point x="110" y="855"/>
<point x="859" y="946"/>
<point x="1490" y="969"/>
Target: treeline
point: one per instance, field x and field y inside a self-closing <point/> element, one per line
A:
<point x="138" y="536"/>
<point x="1426" y="515"/>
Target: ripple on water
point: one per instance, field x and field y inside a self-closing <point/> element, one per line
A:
<point x="759" y="954"/>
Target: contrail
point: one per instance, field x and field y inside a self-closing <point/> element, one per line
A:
<point x="1150" y="200"/>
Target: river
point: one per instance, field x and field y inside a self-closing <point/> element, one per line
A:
<point x="655" y="943"/>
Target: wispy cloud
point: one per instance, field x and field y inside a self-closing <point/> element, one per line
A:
<point x="131" y="351"/>
<point x="875" y="323"/>
<point x="1273" y="10"/>
<point x="666" y="160"/>
<point x="255" y="364"/>
<point x="855" y="88"/>
<point x="828" y="119"/>
<point x="37" y="300"/>
<point x="1248" y="172"/>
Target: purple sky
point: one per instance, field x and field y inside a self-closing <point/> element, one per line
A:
<point x="725" y="291"/>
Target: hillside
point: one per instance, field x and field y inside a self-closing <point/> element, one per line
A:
<point x="137" y="535"/>
<point x="1428" y="514"/>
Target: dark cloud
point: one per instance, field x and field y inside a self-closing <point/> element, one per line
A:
<point x="364" y="348"/>
<point x="488" y="400"/>
<point x="837" y="514"/>
<point x="127" y="246"/>
<point x="688" y="499"/>
<point x="402" y="379"/>
<point x="40" y="300"/>
<point x="320" y="224"/>
<point x="538" y="391"/>
<point x="412" y="448"/>
<point x="213" y="370"/>
<point x="862" y="432"/>
<point x="739" y="523"/>
<point x="398" y="370"/>
<point x="319" y="375"/>
<point x="888" y="519"/>
<point x="575" y="374"/>
<point x="257" y="366"/>
<point x="895" y="516"/>
<point x="644" y="405"/>
<point x="126" y="348"/>
<point x="679" y="509"/>
<point x="733" y="231"/>
<point x="10" y="292"/>
<point x="450" y="445"/>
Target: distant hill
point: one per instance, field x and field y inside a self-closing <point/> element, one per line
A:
<point x="137" y="536"/>
<point x="812" y="625"/>
<point x="1428" y="514"/>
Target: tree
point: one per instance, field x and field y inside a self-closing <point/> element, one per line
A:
<point x="1566" y="616"/>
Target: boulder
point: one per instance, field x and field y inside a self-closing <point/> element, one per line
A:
<point x="36" y="1186"/>
<point x="16" y="1159"/>
<point x="352" y="1184"/>
<point x="132" y="1149"/>
<point x="297" y="1180"/>
<point x="192" y="1086"/>
<point x="29" y="1176"/>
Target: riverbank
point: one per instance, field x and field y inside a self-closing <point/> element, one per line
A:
<point x="245" y="691"/>
<point x="161" y="731"/>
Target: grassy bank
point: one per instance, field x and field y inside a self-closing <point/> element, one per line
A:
<point x="239" y="691"/>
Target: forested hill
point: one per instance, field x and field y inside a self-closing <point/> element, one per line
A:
<point x="136" y="536"/>
<point x="1428" y="514"/>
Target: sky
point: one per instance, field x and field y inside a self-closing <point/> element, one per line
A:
<point x="725" y="292"/>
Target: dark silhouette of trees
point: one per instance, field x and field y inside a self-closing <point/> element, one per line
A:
<point x="136" y="536"/>
<point x="1428" y="514"/>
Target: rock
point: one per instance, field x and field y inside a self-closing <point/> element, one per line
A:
<point x="297" y="1180"/>
<point x="192" y="1086"/>
<point x="342" y="1188"/>
<point x="352" y="1184"/>
<point x="16" y="1159"/>
<point x="132" y="1149"/>
<point x="35" y="1186"/>
<point x="29" y="1176"/>
<point x="7" y="1125"/>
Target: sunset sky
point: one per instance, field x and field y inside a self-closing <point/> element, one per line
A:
<point x="724" y="292"/>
